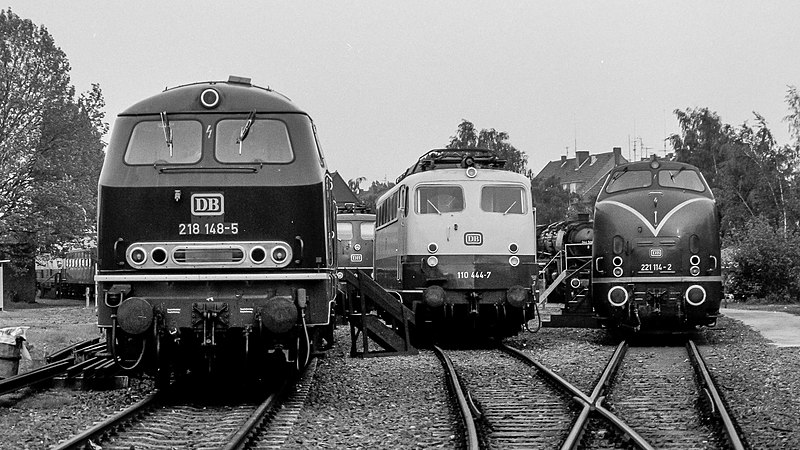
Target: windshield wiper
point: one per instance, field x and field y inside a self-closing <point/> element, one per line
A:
<point x="509" y="208"/>
<point x="434" y="207"/>
<point x="616" y="176"/>
<point x="673" y="175"/>
<point x="246" y="129"/>
<point x="167" y="131"/>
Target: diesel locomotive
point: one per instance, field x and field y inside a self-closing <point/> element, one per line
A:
<point x="656" y="249"/>
<point x="452" y="242"/>
<point x="215" y="232"/>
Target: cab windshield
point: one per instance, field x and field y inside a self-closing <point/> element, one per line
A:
<point x="439" y="199"/>
<point x="149" y="144"/>
<point x="262" y="141"/>
<point x="625" y="179"/>
<point x="503" y="199"/>
<point x="681" y="179"/>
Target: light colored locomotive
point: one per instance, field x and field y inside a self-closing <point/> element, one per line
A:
<point x="453" y="241"/>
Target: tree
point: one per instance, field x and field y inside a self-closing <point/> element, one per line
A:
<point x="701" y="140"/>
<point x="51" y="147"/>
<point x="371" y="195"/>
<point x="551" y="201"/>
<point x="467" y="136"/>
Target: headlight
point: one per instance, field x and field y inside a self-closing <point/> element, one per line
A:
<point x="617" y="272"/>
<point x="279" y="254"/>
<point x="617" y="296"/>
<point x="433" y="261"/>
<point x="514" y="261"/>
<point x="695" y="295"/>
<point x="138" y="256"/>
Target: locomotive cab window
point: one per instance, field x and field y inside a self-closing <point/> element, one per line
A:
<point x="367" y="231"/>
<point x="628" y="179"/>
<point x="344" y="231"/>
<point x="151" y="143"/>
<point x="681" y="179"/>
<point x="503" y="199"/>
<point x="439" y="199"/>
<point x="263" y="141"/>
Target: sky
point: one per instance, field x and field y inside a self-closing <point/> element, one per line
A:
<point x="386" y="81"/>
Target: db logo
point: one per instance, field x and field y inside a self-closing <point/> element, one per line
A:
<point x="655" y="253"/>
<point x="473" y="238"/>
<point x="208" y="204"/>
<point x="356" y="258"/>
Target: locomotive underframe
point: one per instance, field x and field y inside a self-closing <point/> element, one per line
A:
<point x="655" y="306"/>
<point x="219" y="323"/>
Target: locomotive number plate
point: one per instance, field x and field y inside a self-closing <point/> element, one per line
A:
<point x="474" y="274"/>
<point x="187" y="229"/>
<point x="652" y="268"/>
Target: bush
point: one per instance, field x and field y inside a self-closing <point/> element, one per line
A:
<point x="765" y="264"/>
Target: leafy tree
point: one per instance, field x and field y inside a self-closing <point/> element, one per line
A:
<point x="701" y="140"/>
<point x="467" y="136"/>
<point x="51" y="150"/>
<point x="552" y="202"/>
<point x="371" y="195"/>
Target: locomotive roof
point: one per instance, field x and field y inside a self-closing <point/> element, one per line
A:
<point x="236" y="91"/>
<point x="662" y="164"/>
<point x="450" y="158"/>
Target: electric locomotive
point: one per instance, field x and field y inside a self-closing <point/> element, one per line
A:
<point x="453" y="243"/>
<point x="215" y="232"/>
<point x="656" y="249"/>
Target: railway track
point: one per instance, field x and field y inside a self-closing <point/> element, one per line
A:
<point x="82" y="359"/>
<point x="162" y="420"/>
<point x="662" y="397"/>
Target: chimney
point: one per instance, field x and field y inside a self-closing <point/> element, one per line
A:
<point x="581" y="156"/>
<point x="617" y="154"/>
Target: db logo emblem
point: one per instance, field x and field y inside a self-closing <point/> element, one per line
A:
<point x="356" y="258"/>
<point x="473" y="238"/>
<point x="655" y="253"/>
<point x="208" y="204"/>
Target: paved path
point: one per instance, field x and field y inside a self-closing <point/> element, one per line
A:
<point x="783" y="329"/>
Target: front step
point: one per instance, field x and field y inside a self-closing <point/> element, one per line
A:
<point x="391" y="333"/>
<point x="381" y="334"/>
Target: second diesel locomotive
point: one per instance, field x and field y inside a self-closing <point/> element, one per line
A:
<point x="656" y="249"/>
<point x="215" y="232"/>
<point x="453" y="243"/>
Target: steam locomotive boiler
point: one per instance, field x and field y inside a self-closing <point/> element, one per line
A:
<point x="656" y="250"/>
<point x="215" y="232"/>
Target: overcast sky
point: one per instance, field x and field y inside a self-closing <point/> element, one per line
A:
<point x="386" y="81"/>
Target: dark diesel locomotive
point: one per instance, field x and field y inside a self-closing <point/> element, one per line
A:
<point x="453" y="243"/>
<point x="215" y="231"/>
<point x="656" y="249"/>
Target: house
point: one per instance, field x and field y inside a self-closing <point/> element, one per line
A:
<point x="584" y="174"/>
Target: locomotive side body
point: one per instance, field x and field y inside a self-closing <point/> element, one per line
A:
<point x="454" y="245"/>
<point x="656" y="249"/>
<point x="215" y="230"/>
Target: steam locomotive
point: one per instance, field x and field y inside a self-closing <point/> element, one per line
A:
<point x="452" y="241"/>
<point x="215" y="232"/>
<point x="656" y="249"/>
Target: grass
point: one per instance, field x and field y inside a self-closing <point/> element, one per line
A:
<point x="791" y="308"/>
<point x="52" y="325"/>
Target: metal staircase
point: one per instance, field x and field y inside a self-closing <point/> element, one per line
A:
<point x="376" y="315"/>
<point x="564" y="300"/>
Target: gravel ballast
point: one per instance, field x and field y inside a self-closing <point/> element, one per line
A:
<point x="401" y="402"/>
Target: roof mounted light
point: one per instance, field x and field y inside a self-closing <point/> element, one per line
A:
<point x="472" y="172"/>
<point x="654" y="164"/>
<point x="209" y="98"/>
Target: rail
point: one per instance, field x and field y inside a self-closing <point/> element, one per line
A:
<point x="463" y="406"/>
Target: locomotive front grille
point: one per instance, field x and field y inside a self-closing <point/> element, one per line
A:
<point x="182" y="255"/>
<point x="208" y="255"/>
